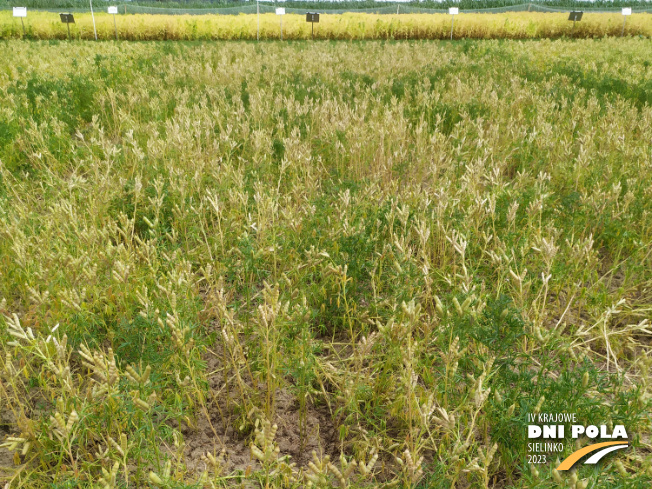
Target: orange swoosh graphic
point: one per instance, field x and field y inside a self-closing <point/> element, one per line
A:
<point x="575" y="456"/>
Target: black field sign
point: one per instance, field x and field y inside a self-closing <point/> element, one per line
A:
<point x="312" y="17"/>
<point x="67" y="19"/>
<point x="575" y="16"/>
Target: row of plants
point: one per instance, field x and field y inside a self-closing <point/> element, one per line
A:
<point x="348" y="26"/>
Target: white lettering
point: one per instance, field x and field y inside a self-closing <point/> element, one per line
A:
<point x="577" y="430"/>
<point x="549" y="431"/>
<point x="603" y="432"/>
<point x="533" y="431"/>
<point x="619" y="431"/>
<point x="592" y="431"/>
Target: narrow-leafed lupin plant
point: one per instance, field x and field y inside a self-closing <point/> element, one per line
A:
<point x="66" y="434"/>
<point x="391" y="251"/>
<point x="275" y="468"/>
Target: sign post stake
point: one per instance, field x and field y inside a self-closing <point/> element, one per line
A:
<point x="93" y="16"/>
<point x="21" y="12"/>
<point x="258" y="16"/>
<point x="67" y="19"/>
<point x="574" y="16"/>
<point x="453" y="11"/>
<point x="626" y="11"/>
<point x="312" y="17"/>
<point x="114" y="10"/>
<point x="281" y="12"/>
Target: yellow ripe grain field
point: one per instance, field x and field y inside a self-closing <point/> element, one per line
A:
<point x="348" y="26"/>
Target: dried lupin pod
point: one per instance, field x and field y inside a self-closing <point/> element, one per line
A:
<point x="458" y="307"/>
<point x="216" y="463"/>
<point x="102" y="366"/>
<point x="621" y="469"/>
<point x="534" y="471"/>
<point x="480" y="394"/>
<point x="439" y="306"/>
<point x="12" y="443"/>
<point x="447" y="421"/>
<point x="426" y="409"/>
<point x="137" y="378"/>
<point x="583" y="484"/>
<point x="498" y="397"/>
<point x="347" y="469"/>
<point x="63" y="429"/>
<point x="179" y="334"/>
<point x="264" y="449"/>
<point x="556" y="476"/>
<point x="414" y="470"/>
<point x="489" y="456"/>
<point x="142" y="405"/>
<point x="573" y="479"/>
<point x="15" y="329"/>
<point x="101" y="455"/>
<point x="9" y="366"/>
<point x="317" y="473"/>
<point x="122" y="447"/>
<point x="365" y="345"/>
<point x="365" y="469"/>
<point x="108" y="479"/>
<point x="155" y="479"/>
<point x="510" y="410"/>
<point x="537" y="408"/>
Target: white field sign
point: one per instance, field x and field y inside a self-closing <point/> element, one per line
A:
<point x="280" y="12"/>
<point x="453" y="11"/>
<point x="627" y="11"/>
<point x="113" y="10"/>
<point x="20" y="11"/>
